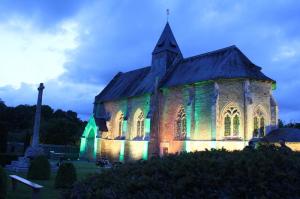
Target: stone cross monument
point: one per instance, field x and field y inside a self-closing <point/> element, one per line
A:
<point x="36" y="129"/>
<point x="35" y="150"/>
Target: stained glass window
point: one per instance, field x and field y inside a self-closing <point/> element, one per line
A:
<point x="227" y="125"/>
<point x="140" y="125"/>
<point x="259" y="123"/>
<point x="262" y="126"/>
<point x="180" y="132"/>
<point x="255" y="126"/>
<point x="236" y="125"/>
<point x="231" y="121"/>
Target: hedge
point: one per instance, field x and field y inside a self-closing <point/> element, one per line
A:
<point x="267" y="172"/>
<point x="3" y="183"/>
<point x="39" y="169"/>
<point x="66" y="176"/>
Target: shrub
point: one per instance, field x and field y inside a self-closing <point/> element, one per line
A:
<point x="268" y="172"/>
<point x="39" y="169"/>
<point x="3" y="183"/>
<point x="66" y="176"/>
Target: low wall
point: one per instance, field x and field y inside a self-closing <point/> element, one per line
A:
<point x="197" y="145"/>
<point x="122" y="150"/>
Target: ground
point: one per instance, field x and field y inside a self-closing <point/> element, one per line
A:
<point x="24" y="192"/>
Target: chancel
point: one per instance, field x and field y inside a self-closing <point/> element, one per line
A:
<point x="218" y="99"/>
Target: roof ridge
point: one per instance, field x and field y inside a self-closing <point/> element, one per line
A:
<point x="209" y="53"/>
<point x="136" y="69"/>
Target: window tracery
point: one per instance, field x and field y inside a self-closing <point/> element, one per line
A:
<point x="231" y="121"/>
<point x="180" y="132"/>
<point x="140" y="125"/>
<point x="259" y="123"/>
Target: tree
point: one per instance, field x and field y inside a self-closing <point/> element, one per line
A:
<point x="3" y="137"/>
<point x="61" y="131"/>
<point x="57" y="127"/>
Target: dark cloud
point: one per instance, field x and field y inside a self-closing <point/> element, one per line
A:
<point x="44" y="13"/>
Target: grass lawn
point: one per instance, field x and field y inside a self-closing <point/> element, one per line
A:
<point x="23" y="191"/>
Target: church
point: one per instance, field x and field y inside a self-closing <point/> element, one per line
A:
<point x="214" y="100"/>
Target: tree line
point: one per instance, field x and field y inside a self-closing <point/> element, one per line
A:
<point x="57" y="126"/>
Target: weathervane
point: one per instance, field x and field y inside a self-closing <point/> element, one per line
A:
<point x="168" y="13"/>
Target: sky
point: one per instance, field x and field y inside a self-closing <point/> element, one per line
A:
<point x="76" y="47"/>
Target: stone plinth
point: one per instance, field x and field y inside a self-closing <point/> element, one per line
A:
<point x="32" y="151"/>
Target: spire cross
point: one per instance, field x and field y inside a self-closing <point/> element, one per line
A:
<point x="168" y="13"/>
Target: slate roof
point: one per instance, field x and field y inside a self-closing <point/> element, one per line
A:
<point x="286" y="134"/>
<point x="226" y="63"/>
<point x="129" y="84"/>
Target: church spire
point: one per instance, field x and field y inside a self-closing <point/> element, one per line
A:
<point x="165" y="53"/>
<point x="167" y="42"/>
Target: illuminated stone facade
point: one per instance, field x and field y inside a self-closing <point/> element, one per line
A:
<point x="217" y="100"/>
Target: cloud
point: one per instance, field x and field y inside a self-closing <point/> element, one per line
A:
<point x="30" y="56"/>
<point x="44" y="14"/>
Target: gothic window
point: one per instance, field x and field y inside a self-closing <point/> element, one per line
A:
<point x="259" y="123"/>
<point x="140" y="125"/>
<point x="236" y="125"/>
<point x="180" y="132"/>
<point x="231" y="121"/>
<point x="262" y="126"/>
<point x="255" y="132"/>
<point x="227" y="124"/>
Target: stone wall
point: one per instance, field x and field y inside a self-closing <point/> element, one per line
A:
<point x="204" y="104"/>
<point x="231" y="92"/>
<point x="128" y="107"/>
<point x="197" y="101"/>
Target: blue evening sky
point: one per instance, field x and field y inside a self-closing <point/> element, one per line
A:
<point x="76" y="47"/>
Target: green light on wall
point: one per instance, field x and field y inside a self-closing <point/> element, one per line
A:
<point x="197" y="112"/>
<point x="145" y="151"/>
<point x="274" y="86"/>
<point x="187" y="144"/>
<point x="122" y="151"/>
<point x="89" y="133"/>
<point x="124" y="127"/>
<point x="147" y="126"/>
<point x="82" y="145"/>
<point x="188" y="122"/>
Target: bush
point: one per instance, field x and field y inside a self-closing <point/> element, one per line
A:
<point x="66" y="176"/>
<point x="39" y="169"/>
<point x="268" y="172"/>
<point x="3" y="183"/>
<point x="6" y="158"/>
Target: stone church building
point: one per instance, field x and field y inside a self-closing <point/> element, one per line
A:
<point x="218" y="99"/>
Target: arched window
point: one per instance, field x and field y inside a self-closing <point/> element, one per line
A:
<point x="262" y="126"/>
<point x="118" y="129"/>
<point x="259" y="123"/>
<point x="231" y="117"/>
<point x="180" y="133"/>
<point x="140" y="125"/>
<point x="255" y="125"/>
<point x="227" y="124"/>
<point x="236" y="125"/>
